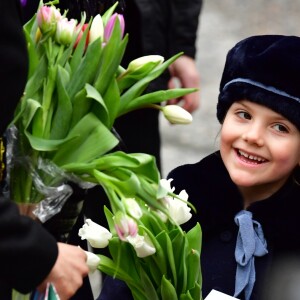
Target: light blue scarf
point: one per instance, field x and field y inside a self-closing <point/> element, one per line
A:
<point x="250" y="242"/>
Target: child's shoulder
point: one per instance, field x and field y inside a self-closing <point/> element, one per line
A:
<point x="209" y="163"/>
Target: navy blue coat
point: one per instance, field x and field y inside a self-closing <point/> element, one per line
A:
<point x="217" y="201"/>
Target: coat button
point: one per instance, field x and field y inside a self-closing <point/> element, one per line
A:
<point x="226" y="236"/>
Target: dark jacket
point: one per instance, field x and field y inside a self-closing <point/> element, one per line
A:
<point x="217" y="201"/>
<point x="155" y="27"/>
<point x="27" y="251"/>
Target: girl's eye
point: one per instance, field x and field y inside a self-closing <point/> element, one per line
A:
<point x="280" y="127"/>
<point x="244" y="115"/>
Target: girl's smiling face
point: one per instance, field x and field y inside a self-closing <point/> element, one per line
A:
<point x="259" y="147"/>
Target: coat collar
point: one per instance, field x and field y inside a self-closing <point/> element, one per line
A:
<point x="279" y="214"/>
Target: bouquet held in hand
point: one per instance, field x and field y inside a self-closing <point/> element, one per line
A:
<point x="63" y="133"/>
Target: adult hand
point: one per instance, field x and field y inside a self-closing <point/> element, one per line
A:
<point x="185" y="70"/>
<point x="68" y="272"/>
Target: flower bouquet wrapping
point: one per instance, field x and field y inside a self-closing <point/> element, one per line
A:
<point x="62" y="135"/>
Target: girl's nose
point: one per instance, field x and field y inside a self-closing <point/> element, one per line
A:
<point x="254" y="135"/>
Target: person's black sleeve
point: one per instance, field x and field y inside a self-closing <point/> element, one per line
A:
<point x="13" y="61"/>
<point x="183" y="26"/>
<point x="27" y="251"/>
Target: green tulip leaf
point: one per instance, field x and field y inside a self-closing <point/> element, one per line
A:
<point x="81" y="107"/>
<point x="80" y="49"/>
<point x="110" y="60"/>
<point x="138" y="88"/>
<point x="168" y="291"/>
<point x="196" y="292"/>
<point x="109" y="267"/>
<point x="112" y="101"/>
<point x="156" y="97"/>
<point x="148" y="286"/>
<point x="63" y="113"/>
<point x="108" y="13"/>
<point x="194" y="237"/>
<point x="187" y="296"/>
<point x="87" y="69"/>
<point x="193" y="268"/>
<point x="82" y="148"/>
<point x="109" y="218"/>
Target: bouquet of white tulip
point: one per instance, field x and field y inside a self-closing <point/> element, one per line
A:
<point x="149" y="251"/>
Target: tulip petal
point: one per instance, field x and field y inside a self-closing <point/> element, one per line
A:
<point x="97" y="235"/>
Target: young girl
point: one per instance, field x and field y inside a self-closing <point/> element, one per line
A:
<point x="247" y="194"/>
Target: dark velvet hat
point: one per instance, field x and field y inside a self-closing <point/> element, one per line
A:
<point x="264" y="69"/>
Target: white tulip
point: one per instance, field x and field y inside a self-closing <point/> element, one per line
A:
<point x="164" y="188"/>
<point x="132" y="208"/>
<point x="97" y="29"/>
<point x="178" y="209"/>
<point x="97" y="235"/>
<point x="142" y="245"/>
<point x="144" y="63"/>
<point x="175" y="114"/>
<point x="92" y="261"/>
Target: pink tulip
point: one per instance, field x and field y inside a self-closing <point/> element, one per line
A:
<point x="47" y="18"/>
<point x="125" y="226"/>
<point x="110" y="26"/>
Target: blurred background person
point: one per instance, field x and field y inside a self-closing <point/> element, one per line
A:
<point x="29" y="255"/>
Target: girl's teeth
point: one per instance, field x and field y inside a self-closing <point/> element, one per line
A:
<point x="251" y="156"/>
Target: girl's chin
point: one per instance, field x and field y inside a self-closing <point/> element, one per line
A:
<point x="242" y="180"/>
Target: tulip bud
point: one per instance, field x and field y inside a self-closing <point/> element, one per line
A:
<point x="132" y="208"/>
<point x="65" y="31"/>
<point x="142" y="245"/>
<point x="97" y="235"/>
<point x="176" y="114"/>
<point x="138" y="69"/>
<point x="125" y="226"/>
<point x="92" y="261"/>
<point x="144" y="65"/>
<point x="110" y="26"/>
<point x="96" y="30"/>
<point x="47" y="18"/>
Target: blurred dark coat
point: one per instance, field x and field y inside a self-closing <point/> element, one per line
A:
<point x="217" y="201"/>
<point x="163" y="28"/>
<point x="27" y="251"/>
